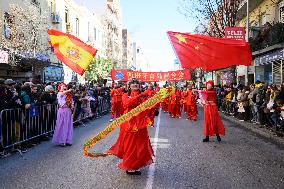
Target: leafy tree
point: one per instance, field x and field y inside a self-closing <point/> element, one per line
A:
<point x="99" y="69"/>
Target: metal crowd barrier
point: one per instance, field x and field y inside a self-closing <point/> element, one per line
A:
<point x="18" y="126"/>
<point x="21" y="125"/>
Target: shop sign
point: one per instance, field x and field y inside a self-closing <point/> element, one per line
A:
<point x="235" y="33"/>
<point x="268" y="58"/>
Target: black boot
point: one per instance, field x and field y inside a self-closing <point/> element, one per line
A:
<point x="133" y="172"/>
<point x="218" y="138"/>
<point x="206" y="139"/>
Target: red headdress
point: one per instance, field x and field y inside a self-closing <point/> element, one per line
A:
<point x="210" y="82"/>
<point x="60" y="85"/>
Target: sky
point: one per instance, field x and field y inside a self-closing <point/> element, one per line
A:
<point x="148" y="21"/>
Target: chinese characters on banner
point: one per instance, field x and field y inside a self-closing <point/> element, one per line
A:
<point x="124" y="75"/>
<point x="235" y="33"/>
<point x="3" y="57"/>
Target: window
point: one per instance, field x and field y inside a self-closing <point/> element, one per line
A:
<point x="263" y="19"/>
<point x="77" y="26"/>
<point x="66" y="15"/>
<point x="51" y="7"/>
<point x="281" y="14"/>
<point x="89" y="36"/>
<point x="95" y="34"/>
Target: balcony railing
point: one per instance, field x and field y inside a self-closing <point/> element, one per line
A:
<point x="266" y="36"/>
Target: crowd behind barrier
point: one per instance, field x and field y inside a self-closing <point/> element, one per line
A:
<point x="258" y="103"/>
<point x="28" y="111"/>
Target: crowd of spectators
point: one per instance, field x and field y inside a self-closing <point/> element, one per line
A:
<point x="258" y="103"/>
<point x="27" y="95"/>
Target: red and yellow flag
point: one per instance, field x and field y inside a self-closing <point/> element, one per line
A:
<point x="71" y="51"/>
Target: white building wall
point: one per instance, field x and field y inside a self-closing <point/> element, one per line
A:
<point x="89" y="24"/>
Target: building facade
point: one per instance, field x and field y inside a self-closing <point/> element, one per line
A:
<point x="140" y="59"/>
<point x="110" y="13"/>
<point x="23" y="38"/>
<point x="82" y="23"/>
<point x="266" y="23"/>
<point x="127" y="49"/>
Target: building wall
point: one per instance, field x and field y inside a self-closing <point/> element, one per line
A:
<point x="266" y="11"/>
<point x="84" y="25"/>
<point x="267" y="8"/>
<point x="127" y="50"/>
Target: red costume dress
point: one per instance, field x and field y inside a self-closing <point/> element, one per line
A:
<point x="165" y="104"/>
<point x="116" y="103"/>
<point x="191" y="105"/>
<point x="183" y="98"/>
<point x="213" y="124"/>
<point x="151" y="112"/>
<point x="176" y="104"/>
<point x="133" y="145"/>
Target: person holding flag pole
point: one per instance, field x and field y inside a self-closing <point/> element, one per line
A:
<point x="133" y="144"/>
<point x="213" y="124"/>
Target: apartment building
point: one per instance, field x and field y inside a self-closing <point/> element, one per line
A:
<point x="266" y="25"/>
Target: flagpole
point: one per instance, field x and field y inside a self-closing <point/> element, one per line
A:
<point x="247" y="39"/>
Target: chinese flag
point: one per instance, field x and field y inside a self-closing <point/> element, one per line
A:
<point x="71" y="51"/>
<point x="209" y="53"/>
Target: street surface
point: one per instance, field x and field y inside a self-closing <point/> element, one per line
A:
<point x="242" y="160"/>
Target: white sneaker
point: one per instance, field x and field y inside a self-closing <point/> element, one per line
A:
<point x="110" y="120"/>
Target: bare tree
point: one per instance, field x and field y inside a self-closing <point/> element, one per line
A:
<point x="25" y="31"/>
<point x="212" y="16"/>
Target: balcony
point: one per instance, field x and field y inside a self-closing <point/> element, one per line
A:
<point x="267" y="36"/>
<point x="242" y="12"/>
<point x="55" y="18"/>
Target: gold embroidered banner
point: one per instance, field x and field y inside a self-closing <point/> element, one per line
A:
<point x="148" y="104"/>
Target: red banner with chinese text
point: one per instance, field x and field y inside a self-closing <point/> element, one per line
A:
<point x="125" y="75"/>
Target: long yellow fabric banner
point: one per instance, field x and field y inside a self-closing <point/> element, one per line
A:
<point x="148" y="104"/>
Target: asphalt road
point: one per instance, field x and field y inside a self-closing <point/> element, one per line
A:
<point x="241" y="160"/>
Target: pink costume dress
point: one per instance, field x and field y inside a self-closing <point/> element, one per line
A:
<point x="63" y="133"/>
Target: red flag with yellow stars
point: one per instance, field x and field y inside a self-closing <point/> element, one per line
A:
<point x="209" y="53"/>
<point x="71" y="51"/>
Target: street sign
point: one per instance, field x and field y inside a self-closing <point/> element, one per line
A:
<point x="235" y="33"/>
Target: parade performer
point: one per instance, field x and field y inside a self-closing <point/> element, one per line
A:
<point x="133" y="145"/>
<point x="64" y="124"/>
<point x="151" y="93"/>
<point x="213" y="124"/>
<point x="165" y="105"/>
<point x="183" y="100"/>
<point x="116" y="102"/>
<point x="176" y="104"/>
<point x="191" y="105"/>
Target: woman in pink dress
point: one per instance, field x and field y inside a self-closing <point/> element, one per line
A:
<point x="64" y="124"/>
<point x="213" y="124"/>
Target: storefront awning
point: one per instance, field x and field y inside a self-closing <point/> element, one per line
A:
<point x="269" y="57"/>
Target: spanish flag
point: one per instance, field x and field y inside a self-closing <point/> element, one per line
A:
<point x="71" y="51"/>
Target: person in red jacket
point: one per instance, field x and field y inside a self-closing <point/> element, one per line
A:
<point x="165" y="105"/>
<point x="213" y="124"/>
<point x="183" y="99"/>
<point x="133" y="144"/>
<point x="176" y="104"/>
<point x="191" y="105"/>
<point x="116" y="102"/>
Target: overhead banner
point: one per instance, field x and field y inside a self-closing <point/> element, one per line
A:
<point x="125" y="75"/>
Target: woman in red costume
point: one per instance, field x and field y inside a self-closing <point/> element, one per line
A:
<point x="133" y="145"/>
<point x="213" y="124"/>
